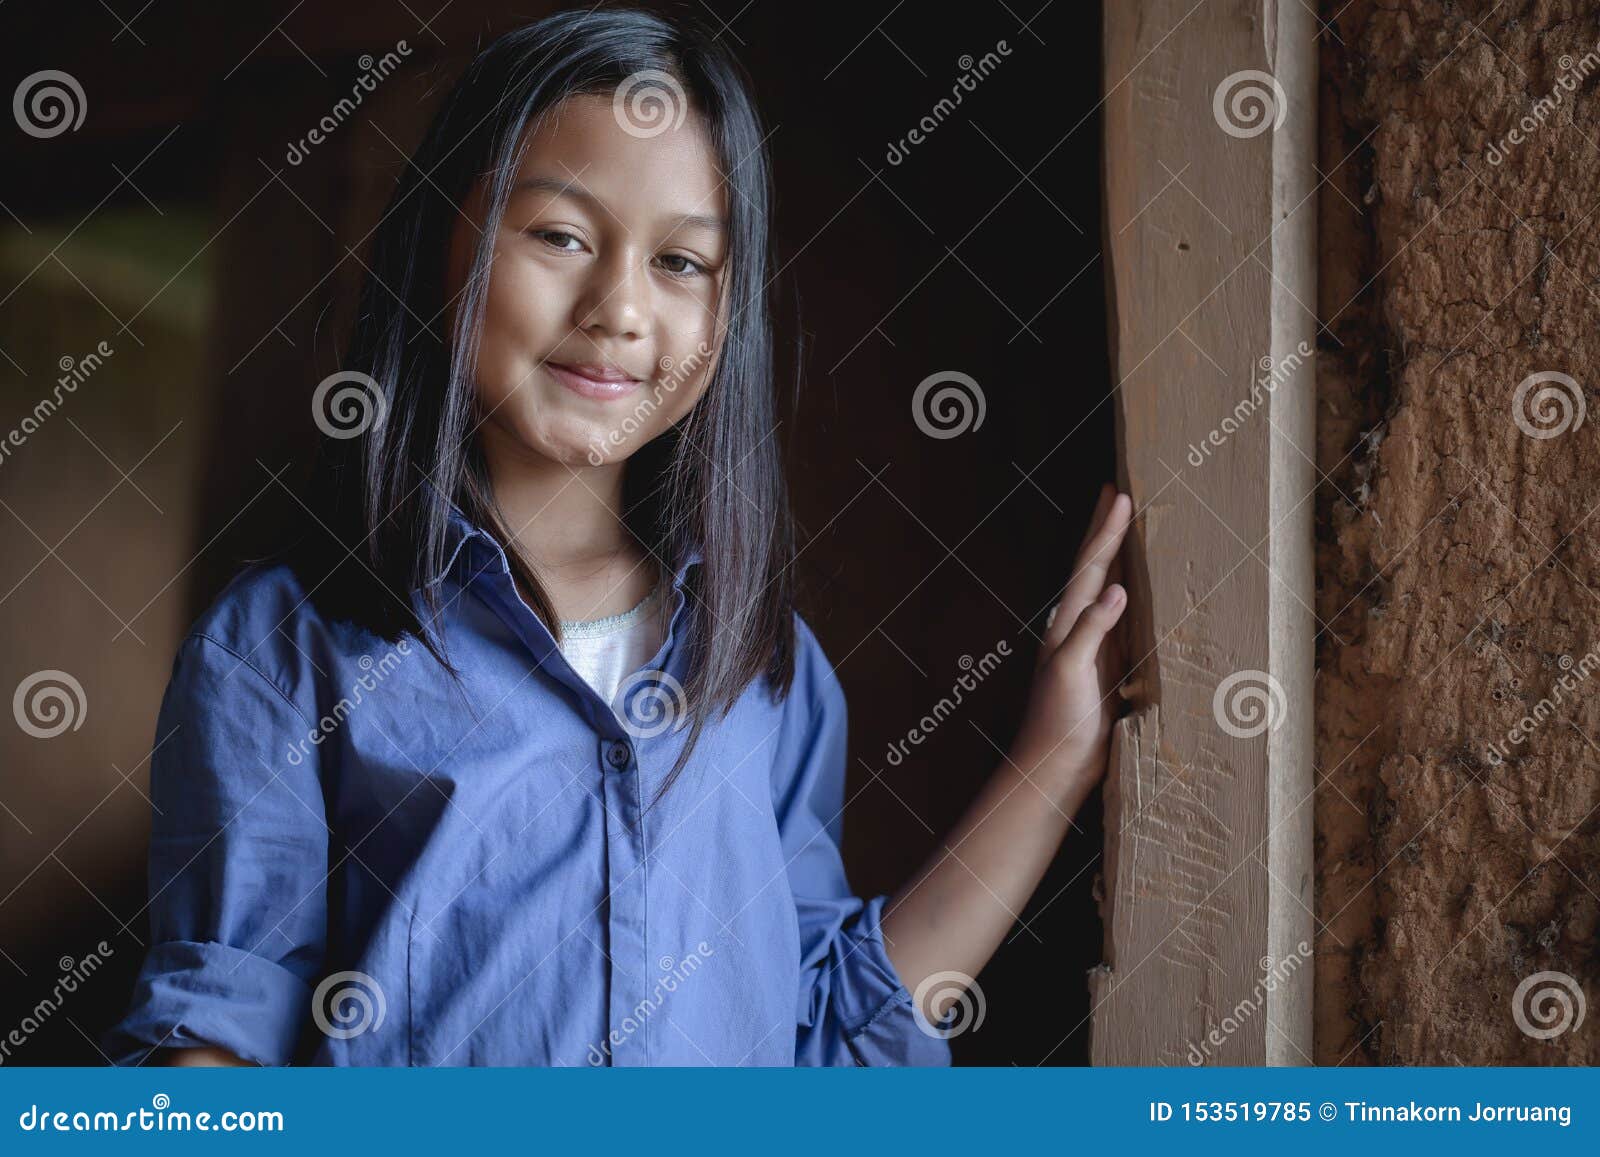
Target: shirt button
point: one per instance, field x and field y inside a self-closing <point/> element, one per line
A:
<point x="617" y="754"/>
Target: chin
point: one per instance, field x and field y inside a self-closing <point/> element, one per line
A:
<point x="578" y="446"/>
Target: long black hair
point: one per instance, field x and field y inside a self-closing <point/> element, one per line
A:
<point x="715" y="480"/>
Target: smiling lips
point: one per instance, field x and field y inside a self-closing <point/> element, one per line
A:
<point x="594" y="381"/>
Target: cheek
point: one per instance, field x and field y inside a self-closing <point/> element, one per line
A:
<point x="522" y="312"/>
<point x="680" y="388"/>
<point x="691" y="337"/>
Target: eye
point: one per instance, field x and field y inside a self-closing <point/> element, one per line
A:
<point x="556" y="239"/>
<point x="688" y="268"/>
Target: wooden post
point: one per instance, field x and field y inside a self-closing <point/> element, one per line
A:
<point x="1210" y="122"/>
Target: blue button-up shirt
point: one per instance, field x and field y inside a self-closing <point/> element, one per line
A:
<point x="354" y="860"/>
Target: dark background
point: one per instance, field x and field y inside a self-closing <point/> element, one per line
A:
<point x="171" y="226"/>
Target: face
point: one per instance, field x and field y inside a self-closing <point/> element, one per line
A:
<point x="603" y="315"/>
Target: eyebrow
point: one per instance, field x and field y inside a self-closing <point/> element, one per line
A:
<point x="559" y="188"/>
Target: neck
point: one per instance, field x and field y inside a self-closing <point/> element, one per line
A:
<point x="559" y="515"/>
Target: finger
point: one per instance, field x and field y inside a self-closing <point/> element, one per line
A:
<point x="1099" y="547"/>
<point x="1090" y="568"/>
<point x="1112" y="657"/>
<point x="1101" y="503"/>
<point x="1052" y="635"/>
<point x="1083" y="644"/>
<point x="1112" y="649"/>
<point x="1114" y="572"/>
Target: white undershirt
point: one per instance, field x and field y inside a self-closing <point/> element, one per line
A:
<point x="606" y="651"/>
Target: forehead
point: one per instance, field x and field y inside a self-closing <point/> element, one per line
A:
<point x="584" y="140"/>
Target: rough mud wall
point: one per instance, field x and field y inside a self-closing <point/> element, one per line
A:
<point x="1458" y="836"/>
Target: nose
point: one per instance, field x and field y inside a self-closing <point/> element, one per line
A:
<point x="615" y="301"/>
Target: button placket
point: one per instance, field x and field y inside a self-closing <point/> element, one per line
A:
<point x="627" y="889"/>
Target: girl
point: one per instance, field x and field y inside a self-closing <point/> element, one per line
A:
<point x="524" y="756"/>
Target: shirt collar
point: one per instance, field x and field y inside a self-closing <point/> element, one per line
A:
<point x="460" y="531"/>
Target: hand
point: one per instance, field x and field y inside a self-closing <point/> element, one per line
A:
<point x="203" y="1056"/>
<point x="1064" y="738"/>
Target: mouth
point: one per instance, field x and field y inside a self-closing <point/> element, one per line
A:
<point x="594" y="381"/>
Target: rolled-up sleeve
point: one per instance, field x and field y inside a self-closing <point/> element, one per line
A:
<point x="238" y="864"/>
<point x="853" y="1008"/>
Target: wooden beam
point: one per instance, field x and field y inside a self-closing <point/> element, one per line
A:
<point x="1210" y="231"/>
